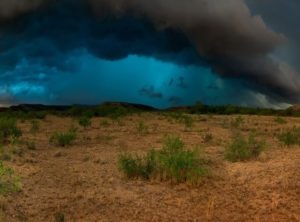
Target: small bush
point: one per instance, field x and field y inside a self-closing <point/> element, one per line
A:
<point x="85" y="121"/>
<point x="280" y="120"/>
<point x="188" y="121"/>
<point x="59" y="217"/>
<point x="172" y="163"/>
<point x="8" y="128"/>
<point x="63" y="138"/>
<point x="290" y="137"/>
<point x="241" y="149"/>
<point x="142" y="129"/>
<point x="180" y="117"/>
<point x="135" y="166"/>
<point x="9" y="182"/>
<point x="35" y="127"/>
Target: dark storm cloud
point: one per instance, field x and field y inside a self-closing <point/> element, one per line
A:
<point x="224" y="33"/>
<point x="10" y="9"/>
<point x="221" y="34"/>
<point x="284" y="17"/>
<point x="50" y="36"/>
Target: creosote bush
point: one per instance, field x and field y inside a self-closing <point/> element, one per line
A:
<point x="241" y="149"/>
<point x="85" y="121"/>
<point x="172" y="162"/>
<point x="63" y="138"/>
<point x="8" y="129"/>
<point x="280" y="120"/>
<point x="9" y="182"/>
<point x="181" y="117"/>
<point x="290" y="137"/>
<point x="142" y="128"/>
<point x="35" y="126"/>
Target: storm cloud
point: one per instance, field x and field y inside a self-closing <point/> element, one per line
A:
<point x="9" y="9"/>
<point x="223" y="35"/>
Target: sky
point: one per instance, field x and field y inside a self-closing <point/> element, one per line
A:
<point x="160" y="53"/>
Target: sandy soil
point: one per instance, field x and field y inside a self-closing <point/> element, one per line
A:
<point x="83" y="182"/>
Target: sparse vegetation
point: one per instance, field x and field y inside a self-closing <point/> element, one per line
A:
<point x="59" y="217"/>
<point x="280" y="120"/>
<point x="85" y="121"/>
<point x="290" y="137"/>
<point x="142" y="128"/>
<point x="63" y="138"/>
<point x="9" y="182"/>
<point x="182" y="118"/>
<point x="172" y="163"/>
<point x="241" y="149"/>
<point x="35" y="126"/>
<point x="8" y="129"/>
<point x="94" y="163"/>
<point x="188" y="121"/>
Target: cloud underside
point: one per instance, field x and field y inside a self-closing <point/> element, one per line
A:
<point x="221" y="35"/>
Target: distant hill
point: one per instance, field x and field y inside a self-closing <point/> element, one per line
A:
<point x="40" y="107"/>
<point x="112" y="108"/>
<point x="130" y="106"/>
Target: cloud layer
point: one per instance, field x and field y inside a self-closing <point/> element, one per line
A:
<point x="223" y="35"/>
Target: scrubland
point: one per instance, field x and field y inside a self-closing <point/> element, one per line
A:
<point x="150" y="166"/>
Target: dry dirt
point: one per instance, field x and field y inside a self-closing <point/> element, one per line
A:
<point x="83" y="182"/>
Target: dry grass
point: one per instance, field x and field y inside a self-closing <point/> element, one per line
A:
<point x="84" y="184"/>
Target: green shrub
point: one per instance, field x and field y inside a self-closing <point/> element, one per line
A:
<point x="142" y="129"/>
<point x="85" y="121"/>
<point x="182" y="118"/>
<point x="59" y="217"/>
<point x="241" y="149"/>
<point x="172" y="163"/>
<point x="8" y="128"/>
<point x="136" y="166"/>
<point x="63" y="138"/>
<point x="280" y="120"/>
<point x="9" y="182"/>
<point x="188" y="121"/>
<point x="35" y="126"/>
<point x="290" y="137"/>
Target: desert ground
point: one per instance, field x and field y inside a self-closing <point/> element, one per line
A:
<point x="81" y="182"/>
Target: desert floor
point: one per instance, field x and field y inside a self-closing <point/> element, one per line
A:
<point x="83" y="182"/>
